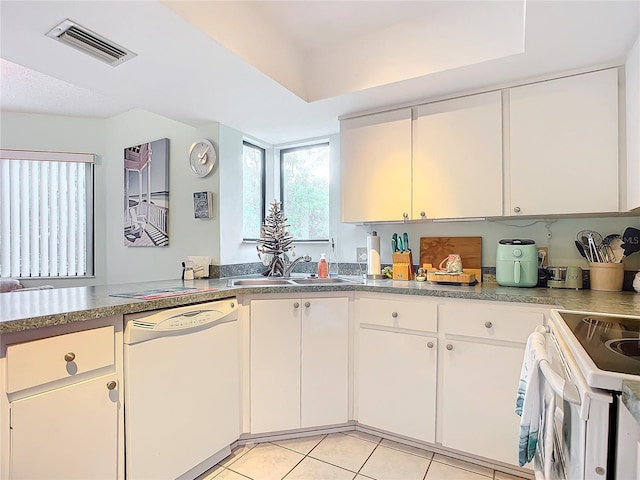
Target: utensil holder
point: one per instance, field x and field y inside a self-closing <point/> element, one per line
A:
<point x="606" y="277"/>
<point x="402" y="266"/>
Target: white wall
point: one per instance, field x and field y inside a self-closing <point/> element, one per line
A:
<point x="187" y="235"/>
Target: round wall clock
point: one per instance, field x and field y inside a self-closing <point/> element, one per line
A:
<point x="202" y="157"/>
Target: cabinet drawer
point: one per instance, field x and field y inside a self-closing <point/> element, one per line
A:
<point x="490" y="322"/>
<point x="41" y="361"/>
<point x="399" y="314"/>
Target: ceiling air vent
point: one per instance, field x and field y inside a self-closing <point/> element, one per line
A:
<point x="85" y="40"/>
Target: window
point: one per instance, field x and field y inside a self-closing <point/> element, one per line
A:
<point x="46" y="214"/>
<point x="304" y="191"/>
<point x="253" y="180"/>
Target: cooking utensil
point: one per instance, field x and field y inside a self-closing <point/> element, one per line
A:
<point x="591" y="241"/>
<point x="615" y="245"/>
<point x="394" y="243"/>
<point x="581" y="250"/>
<point x="400" y="246"/>
<point x="631" y="240"/>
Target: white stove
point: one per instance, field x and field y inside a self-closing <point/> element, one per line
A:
<point x="606" y="347"/>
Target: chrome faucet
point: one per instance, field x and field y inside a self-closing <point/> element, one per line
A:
<point x="288" y="266"/>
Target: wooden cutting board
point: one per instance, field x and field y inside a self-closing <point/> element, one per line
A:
<point x="435" y="249"/>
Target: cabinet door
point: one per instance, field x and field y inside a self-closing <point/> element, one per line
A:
<point x="564" y="145"/>
<point x="68" y="433"/>
<point x="457" y="158"/>
<point x="275" y="365"/>
<point x="479" y="383"/>
<point x="376" y="167"/>
<point x="325" y="361"/>
<point x="397" y="383"/>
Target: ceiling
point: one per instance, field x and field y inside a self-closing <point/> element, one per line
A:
<point x="283" y="71"/>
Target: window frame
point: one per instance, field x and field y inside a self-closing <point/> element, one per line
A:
<point x="305" y="146"/>
<point x="89" y="213"/>
<point x="263" y="186"/>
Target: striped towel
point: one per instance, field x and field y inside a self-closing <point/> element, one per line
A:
<point x="529" y="398"/>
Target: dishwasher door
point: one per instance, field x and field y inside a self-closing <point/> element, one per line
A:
<point x="182" y="403"/>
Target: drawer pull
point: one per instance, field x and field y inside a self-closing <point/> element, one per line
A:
<point x="70" y="357"/>
<point x="296" y="305"/>
<point x="394" y="314"/>
<point x="111" y="385"/>
<point x="430" y="344"/>
<point x="449" y="346"/>
<point x="307" y="304"/>
<point x="488" y="324"/>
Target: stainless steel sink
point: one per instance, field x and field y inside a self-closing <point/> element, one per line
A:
<point x="257" y="282"/>
<point x="278" y="281"/>
<point x="318" y="281"/>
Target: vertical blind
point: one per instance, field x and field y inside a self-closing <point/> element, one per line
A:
<point x="46" y="213"/>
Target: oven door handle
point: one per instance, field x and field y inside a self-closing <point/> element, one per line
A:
<point x="567" y="390"/>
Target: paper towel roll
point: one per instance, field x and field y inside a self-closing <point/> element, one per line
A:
<point x="373" y="254"/>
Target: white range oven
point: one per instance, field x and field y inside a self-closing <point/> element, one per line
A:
<point x="588" y="355"/>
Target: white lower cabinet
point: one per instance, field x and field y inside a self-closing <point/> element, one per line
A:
<point x="299" y="363"/>
<point x="61" y="400"/>
<point x="397" y="382"/>
<point x="67" y="433"/>
<point x="481" y="353"/>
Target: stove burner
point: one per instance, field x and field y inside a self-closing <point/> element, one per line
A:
<point x="629" y="347"/>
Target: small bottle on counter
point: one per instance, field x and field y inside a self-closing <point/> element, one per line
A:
<point x="323" y="267"/>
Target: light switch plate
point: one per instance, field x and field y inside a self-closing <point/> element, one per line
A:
<point x="361" y="254"/>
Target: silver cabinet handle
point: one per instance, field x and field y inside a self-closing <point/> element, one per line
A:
<point x="449" y="346"/>
<point x="307" y="304"/>
<point x="111" y="385"/>
<point x="296" y="305"/>
<point x="394" y="314"/>
<point x="430" y="344"/>
<point x="488" y="324"/>
<point x="516" y="209"/>
<point x="423" y="214"/>
<point x="405" y="216"/>
<point x="69" y="357"/>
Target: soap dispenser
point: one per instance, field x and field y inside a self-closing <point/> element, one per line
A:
<point x="323" y="267"/>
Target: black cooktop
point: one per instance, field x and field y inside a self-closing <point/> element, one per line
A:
<point x="613" y="343"/>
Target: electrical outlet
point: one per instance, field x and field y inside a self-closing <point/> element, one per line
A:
<point x="361" y="254"/>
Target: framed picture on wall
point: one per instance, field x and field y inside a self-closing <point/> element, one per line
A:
<point x="146" y="194"/>
<point x="202" y="205"/>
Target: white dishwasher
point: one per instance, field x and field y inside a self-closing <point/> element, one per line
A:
<point x="182" y="389"/>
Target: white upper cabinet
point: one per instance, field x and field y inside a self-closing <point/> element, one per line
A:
<point x="564" y="146"/>
<point x="457" y="158"/>
<point x="376" y="166"/>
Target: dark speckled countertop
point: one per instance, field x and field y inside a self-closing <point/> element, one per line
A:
<point x="40" y="308"/>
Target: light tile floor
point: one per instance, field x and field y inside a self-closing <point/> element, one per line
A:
<point x="344" y="456"/>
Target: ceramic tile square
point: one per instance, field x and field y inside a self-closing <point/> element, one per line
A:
<point x="454" y="462"/>
<point x="301" y="445"/>
<point x="227" y="474"/>
<point x="441" y="471"/>
<point x="363" y="436"/>
<point x="266" y="461"/>
<point x="237" y="453"/>
<point x="310" y="468"/>
<point x="343" y="451"/>
<point x="407" y="448"/>
<point x="390" y="464"/>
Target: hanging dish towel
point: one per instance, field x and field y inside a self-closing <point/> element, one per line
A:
<point x="529" y="398"/>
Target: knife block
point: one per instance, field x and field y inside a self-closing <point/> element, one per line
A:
<point x="402" y="266"/>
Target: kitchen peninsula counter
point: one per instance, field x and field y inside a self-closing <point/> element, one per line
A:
<point x="41" y="308"/>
